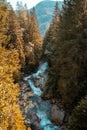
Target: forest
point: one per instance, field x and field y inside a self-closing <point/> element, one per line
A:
<point x="43" y="79"/>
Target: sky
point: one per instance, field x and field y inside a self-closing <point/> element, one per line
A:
<point x="30" y="3"/>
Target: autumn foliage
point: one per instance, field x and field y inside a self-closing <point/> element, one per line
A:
<point x="10" y="114"/>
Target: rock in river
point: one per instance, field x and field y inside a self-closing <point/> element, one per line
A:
<point x="57" y="114"/>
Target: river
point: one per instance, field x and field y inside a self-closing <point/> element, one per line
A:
<point x="42" y="108"/>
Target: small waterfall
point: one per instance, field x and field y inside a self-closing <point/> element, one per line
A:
<point x="35" y="90"/>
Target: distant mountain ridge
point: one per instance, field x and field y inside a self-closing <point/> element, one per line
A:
<point x="44" y="11"/>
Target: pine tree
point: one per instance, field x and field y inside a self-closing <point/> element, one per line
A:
<point x="50" y="45"/>
<point x="35" y="36"/>
<point x="51" y="35"/>
<point x="78" y="119"/>
<point x="72" y="52"/>
<point x="31" y="36"/>
<point x="10" y="34"/>
<point x="10" y="115"/>
<point x="68" y="67"/>
<point x="15" y="34"/>
<point x="3" y="25"/>
<point x="25" y="23"/>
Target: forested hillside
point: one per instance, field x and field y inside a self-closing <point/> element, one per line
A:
<point x="43" y="81"/>
<point x="20" y="47"/>
<point x="65" y="48"/>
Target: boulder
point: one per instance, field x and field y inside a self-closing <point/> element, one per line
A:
<point x="57" y="115"/>
<point x="27" y="89"/>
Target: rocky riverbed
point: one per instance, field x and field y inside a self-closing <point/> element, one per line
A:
<point x="40" y="114"/>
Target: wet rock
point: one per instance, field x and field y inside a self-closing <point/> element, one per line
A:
<point x="24" y="87"/>
<point x="53" y="101"/>
<point x="29" y="94"/>
<point x="35" y="123"/>
<point x="27" y="89"/>
<point x="37" y="78"/>
<point x="35" y="118"/>
<point x="21" y="103"/>
<point x="33" y="127"/>
<point x="57" y="115"/>
<point x="41" y="75"/>
<point x="25" y="97"/>
<point x="37" y="84"/>
<point x="27" y="122"/>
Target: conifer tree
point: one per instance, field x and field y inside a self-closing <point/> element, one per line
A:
<point x="51" y="35"/>
<point x="10" y="115"/>
<point x="11" y="34"/>
<point x="3" y="25"/>
<point x="25" y="21"/>
<point x="68" y="67"/>
<point x="35" y="36"/>
<point x="49" y="48"/>
<point x="78" y="119"/>
<point x="72" y="52"/>
<point x="15" y="34"/>
<point x="31" y="35"/>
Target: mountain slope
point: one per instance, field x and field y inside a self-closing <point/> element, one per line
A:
<point x="44" y="12"/>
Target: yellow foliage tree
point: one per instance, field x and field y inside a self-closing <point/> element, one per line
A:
<point x="15" y="34"/>
<point x="10" y="115"/>
<point x="3" y="24"/>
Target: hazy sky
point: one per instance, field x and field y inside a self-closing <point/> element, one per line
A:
<point x="30" y="3"/>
